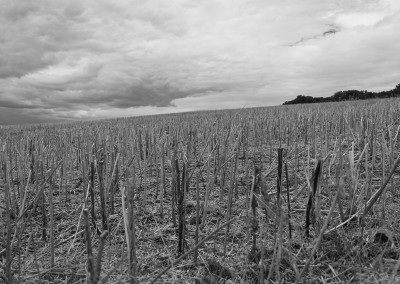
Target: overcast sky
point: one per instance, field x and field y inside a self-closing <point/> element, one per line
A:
<point x="86" y="59"/>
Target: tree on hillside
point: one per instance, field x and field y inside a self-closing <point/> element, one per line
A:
<point x="348" y="95"/>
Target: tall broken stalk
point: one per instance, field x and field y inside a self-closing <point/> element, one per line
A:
<point x="311" y="197"/>
<point x="127" y="192"/>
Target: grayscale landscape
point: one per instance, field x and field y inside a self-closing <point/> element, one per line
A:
<point x="199" y="141"/>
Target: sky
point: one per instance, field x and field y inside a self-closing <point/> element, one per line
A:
<point x="89" y="59"/>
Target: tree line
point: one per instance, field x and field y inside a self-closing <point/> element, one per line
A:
<point x="349" y="95"/>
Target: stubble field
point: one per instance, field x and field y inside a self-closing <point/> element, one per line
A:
<point x="306" y="194"/>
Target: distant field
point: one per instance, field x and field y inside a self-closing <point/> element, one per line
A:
<point x="306" y="193"/>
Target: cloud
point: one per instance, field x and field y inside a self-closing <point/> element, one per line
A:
<point x="63" y="75"/>
<point x="9" y="116"/>
<point x="91" y="59"/>
<point x="331" y="31"/>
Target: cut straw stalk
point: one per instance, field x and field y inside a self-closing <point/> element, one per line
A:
<point x="312" y="197"/>
<point x="371" y="201"/>
<point x="130" y="233"/>
<point x="193" y="249"/>
<point x="162" y="167"/>
<point x="196" y="236"/>
<point x="22" y="220"/>
<point x="318" y="241"/>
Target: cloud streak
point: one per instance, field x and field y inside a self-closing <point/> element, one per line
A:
<point x="333" y="30"/>
<point x="95" y="59"/>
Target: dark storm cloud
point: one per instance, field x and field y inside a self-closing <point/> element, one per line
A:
<point x="160" y="96"/>
<point x="16" y="105"/>
<point x="11" y="116"/>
